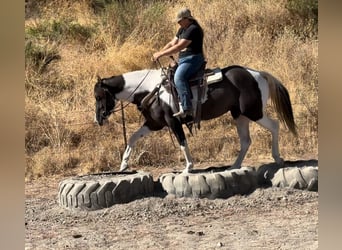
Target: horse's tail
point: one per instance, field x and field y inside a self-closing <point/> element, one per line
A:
<point x="281" y="100"/>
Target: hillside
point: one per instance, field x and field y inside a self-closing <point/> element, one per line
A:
<point x="69" y="43"/>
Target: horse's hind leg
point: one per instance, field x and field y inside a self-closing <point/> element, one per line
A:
<point x="273" y="127"/>
<point x="242" y="125"/>
<point x="143" y="131"/>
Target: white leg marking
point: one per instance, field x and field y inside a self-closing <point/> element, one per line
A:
<point x="188" y="158"/>
<point x="242" y="124"/>
<point x="125" y="158"/>
<point x="141" y="132"/>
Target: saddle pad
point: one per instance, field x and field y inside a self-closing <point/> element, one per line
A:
<point x="214" y="76"/>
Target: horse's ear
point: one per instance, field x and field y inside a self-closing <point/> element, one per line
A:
<point x="98" y="78"/>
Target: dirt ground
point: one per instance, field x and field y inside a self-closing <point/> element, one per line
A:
<point x="268" y="218"/>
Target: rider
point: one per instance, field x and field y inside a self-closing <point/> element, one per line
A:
<point x="189" y="43"/>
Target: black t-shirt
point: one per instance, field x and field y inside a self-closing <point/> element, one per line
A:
<point x="195" y="34"/>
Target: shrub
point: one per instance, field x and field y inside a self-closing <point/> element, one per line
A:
<point x="39" y="56"/>
<point x="58" y="30"/>
<point x="305" y="12"/>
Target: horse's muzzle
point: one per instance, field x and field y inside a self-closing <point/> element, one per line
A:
<point x="102" y="118"/>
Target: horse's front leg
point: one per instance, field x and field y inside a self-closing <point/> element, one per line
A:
<point x="141" y="132"/>
<point x="189" y="162"/>
<point x="178" y="131"/>
<point x="242" y="125"/>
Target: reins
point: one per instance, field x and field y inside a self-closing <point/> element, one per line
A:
<point x="122" y="107"/>
<point x="123" y="124"/>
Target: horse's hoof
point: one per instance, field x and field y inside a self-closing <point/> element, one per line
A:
<point x="234" y="167"/>
<point x="187" y="170"/>
<point x="124" y="168"/>
<point x="280" y="162"/>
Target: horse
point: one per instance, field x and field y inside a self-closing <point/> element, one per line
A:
<point x="242" y="91"/>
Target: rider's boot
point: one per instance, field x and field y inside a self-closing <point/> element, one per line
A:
<point x="183" y="113"/>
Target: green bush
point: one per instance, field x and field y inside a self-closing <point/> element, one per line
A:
<point x="39" y="56"/>
<point x="305" y="14"/>
<point x="99" y="5"/>
<point x="306" y="9"/>
<point x="59" y="30"/>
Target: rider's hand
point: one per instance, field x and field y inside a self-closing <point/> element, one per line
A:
<point x="156" y="56"/>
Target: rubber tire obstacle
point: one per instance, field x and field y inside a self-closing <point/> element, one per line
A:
<point x="97" y="191"/>
<point x="210" y="183"/>
<point x="298" y="174"/>
<point x="305" y="178"/>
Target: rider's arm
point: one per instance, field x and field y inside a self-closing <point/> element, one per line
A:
<point x="173" y="42"/>
<point x="174" y="46"/>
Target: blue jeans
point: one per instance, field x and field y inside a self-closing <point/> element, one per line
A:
<point x="187" y="67"/>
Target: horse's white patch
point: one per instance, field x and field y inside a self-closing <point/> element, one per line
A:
<point x="138" y="82"/>
<point x="166" y="97"/>
<point x="262" y="84"/>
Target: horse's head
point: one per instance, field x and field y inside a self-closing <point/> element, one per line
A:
<point x="105" y="101"/>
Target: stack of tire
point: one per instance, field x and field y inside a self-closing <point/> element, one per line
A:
<point x="298" y="175"/>
<point x="210" y="184"/>
<point x="97" y="191"/>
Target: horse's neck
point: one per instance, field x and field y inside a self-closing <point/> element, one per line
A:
<point x="138" y="82"/>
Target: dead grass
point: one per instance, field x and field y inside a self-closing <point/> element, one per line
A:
<point x="60" y="134"/>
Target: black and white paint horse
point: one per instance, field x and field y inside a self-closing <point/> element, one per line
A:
<point x="242" y="91"/>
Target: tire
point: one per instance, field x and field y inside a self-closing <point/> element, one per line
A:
<point x="305" y="178"/>
<point x="97" y="191"/>
<point x="210" y="183"/>
<point x="301" y="174"/>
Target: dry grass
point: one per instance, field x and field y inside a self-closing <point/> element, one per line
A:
<point x="60" y="134"/>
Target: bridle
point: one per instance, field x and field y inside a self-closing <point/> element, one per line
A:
<point x="122" y="106"/>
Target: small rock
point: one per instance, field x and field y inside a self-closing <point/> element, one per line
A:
<point x="76" y="236"/>
<point x="220" y="244"/>
<point x="200" y="233"/>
